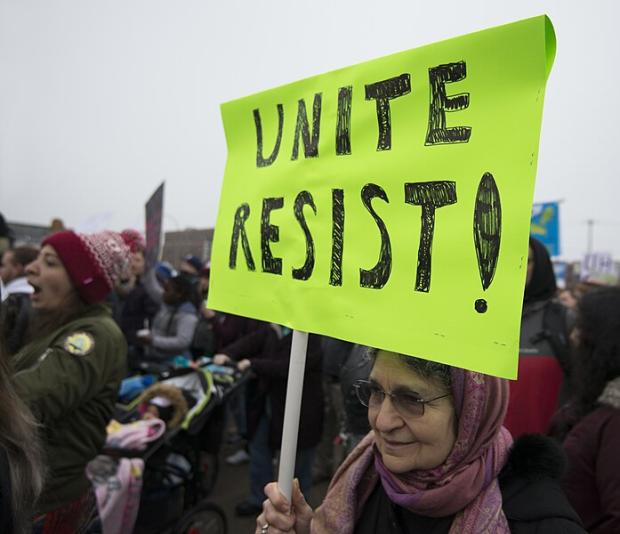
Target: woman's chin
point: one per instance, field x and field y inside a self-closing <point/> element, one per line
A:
<point x="397" y="465"/>
<point x="398" y="459"/>
<point x="36" y="303"/>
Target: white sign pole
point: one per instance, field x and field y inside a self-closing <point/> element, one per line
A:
<point x="294" y="389"/>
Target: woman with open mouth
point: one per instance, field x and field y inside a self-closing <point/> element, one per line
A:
<point x="70" y="370"/>
<point x="437" y="460"/>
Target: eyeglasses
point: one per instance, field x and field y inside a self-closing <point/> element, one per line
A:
<point x="407" y="404"/>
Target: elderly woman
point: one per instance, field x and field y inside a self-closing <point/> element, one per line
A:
<point x="437" y="460"/>
<point x="70" y="370"/>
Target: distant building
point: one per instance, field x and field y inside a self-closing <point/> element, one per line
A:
<point x="179" y="244"/>
<point x="28" y="234"/>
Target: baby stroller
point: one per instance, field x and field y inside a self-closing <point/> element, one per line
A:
<point x="180" y="468"/>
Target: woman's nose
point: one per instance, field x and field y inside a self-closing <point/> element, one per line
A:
<point x="388" y="417"/>
<point x="31" y="268"/>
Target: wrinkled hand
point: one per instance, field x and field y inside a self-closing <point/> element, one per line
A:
<point x="244" y="364"/>
<point x="221" y="359"/>
<point x="278" y="513"/>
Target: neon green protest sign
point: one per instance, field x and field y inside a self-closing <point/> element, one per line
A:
<point x="389" y="203"/>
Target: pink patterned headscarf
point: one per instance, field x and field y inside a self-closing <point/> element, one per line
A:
<point x="465" y="485"/>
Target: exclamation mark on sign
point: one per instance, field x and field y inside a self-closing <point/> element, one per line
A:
<point x="487" y="233"/>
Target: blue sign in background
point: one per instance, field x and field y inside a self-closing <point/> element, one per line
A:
<point x="545" y="225"/>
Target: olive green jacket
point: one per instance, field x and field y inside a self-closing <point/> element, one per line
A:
<point x="70" y="380"/>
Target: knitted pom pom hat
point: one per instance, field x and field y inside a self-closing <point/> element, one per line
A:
<point x="94" y="262"/>
<point x="134" y="240"/>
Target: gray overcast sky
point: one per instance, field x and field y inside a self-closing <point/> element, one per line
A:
<point x="102" y="100"/>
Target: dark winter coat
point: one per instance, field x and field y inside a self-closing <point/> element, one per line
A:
<point x="228" y="328"/>
<point x="542" y="368"/>
<point x="270" y="357"/>
<point x="6" y="508"/>
<point x="14" y="319"/>
<point x="533" y="501"/>
<point x="543" y="352"/>
<point x="335" y="354"/>
<point x="592" y="482"/>
<point x="356" y="367"/>
<point x="135" y="308"/>
<point x="70" y="380"/>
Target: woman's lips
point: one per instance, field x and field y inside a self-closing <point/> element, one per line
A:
<point x="395" y="444"/>
<point x="35" y="294"/>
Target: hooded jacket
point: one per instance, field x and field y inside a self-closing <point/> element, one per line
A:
<point x="543" y="352"/>
<point x="173" y="331"/>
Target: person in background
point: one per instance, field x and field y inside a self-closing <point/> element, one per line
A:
<point x="437" y="460"/>
<point x="584" y="287"/>
<point x="328" y="454"/>
<point x="164" y="271"/>
<point x="203" y="343"/>
<point x="192" y="266"/>
<point x="13" y="269"/>
<point x="356" y="367"/>
<point x="173" y="326"/>
<point x="155" y="279"/>
<point x="544" y="368"/>
<point x="205" y="278"/>
<point x="134" y="309"/>
<point x="70" y="370"/>
<point x="15" y="313"/>
<point x="589" y="424"/>
<point x="21" y="468"/>
<point x="227" y="329"/>
<point x="266" y="352"/>
<point x="57" y="225"/>
<point x="7" y="236"/>
<point x="567" y="299"/>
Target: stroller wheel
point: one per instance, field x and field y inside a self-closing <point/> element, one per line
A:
<point x="205" y="518"/>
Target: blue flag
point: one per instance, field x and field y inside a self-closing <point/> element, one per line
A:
<point x="545" y="225"/>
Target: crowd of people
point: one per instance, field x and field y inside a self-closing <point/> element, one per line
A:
<point x="408" y="445"/>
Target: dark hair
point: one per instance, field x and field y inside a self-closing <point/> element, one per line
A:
<point x="596" y="358"/>
<point x="19" y="440"/>
<point x="185" y="287"/>
<point x="5" y="230"/>
<point x="542" y="286"/>
<point x="24" y="255"/>
<point x="195" y="262"/>
<point x="426" y="368"/>
<point x="43" y="323"/>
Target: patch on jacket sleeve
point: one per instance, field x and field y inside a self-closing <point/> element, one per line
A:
<point x="79" y="343"/>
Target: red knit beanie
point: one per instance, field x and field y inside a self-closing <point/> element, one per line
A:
<point x="94" y="262"/>
<point x="134" y="240"/>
